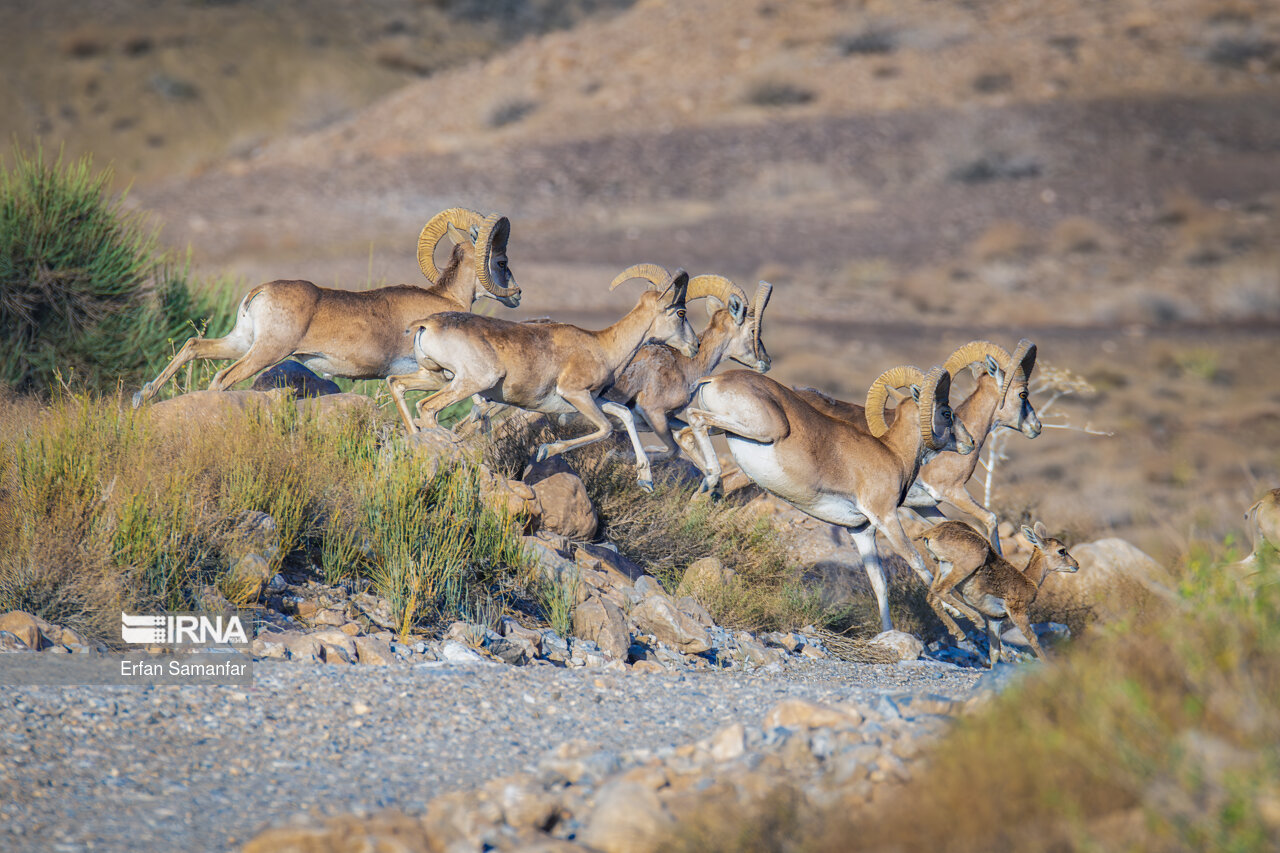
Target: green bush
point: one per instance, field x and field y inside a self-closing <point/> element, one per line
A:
<point x="85" y="289"/>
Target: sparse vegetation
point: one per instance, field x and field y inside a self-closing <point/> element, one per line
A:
<point x="778" y="93"/>
<point x="85" y="529"/>
<point x="1151" y="734"/>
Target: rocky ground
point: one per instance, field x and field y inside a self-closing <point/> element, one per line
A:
<point x="174" y="768"/>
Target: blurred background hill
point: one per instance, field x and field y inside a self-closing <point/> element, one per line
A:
<point x="1103" y="177"/>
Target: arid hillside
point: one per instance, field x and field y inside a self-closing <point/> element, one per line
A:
<point x="1101" y="177"/>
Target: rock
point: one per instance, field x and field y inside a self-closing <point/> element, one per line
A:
<point x="550" y="564"/>
<point x="578" y="762"/>
<point x="438" y="445"/>
<point x="647" y="666"/>
<point x="647" y="586"/>
<point x="455" y="652"/>
<point x="511" y="498"/>
<point x="11" y="642"/>
<point x="628" y="818"/>
<point x="1048" y="633"/>
<point x="1115" y="579"/>
<point x="705" y="579"/>
<point x="24" y="627"/>
<point x="249" y="575"/>
<point x="602" y="622"/>
<point x="330" y="616"/>
<point x="336" y="408"/>
<point x="621" y="572"/>
<point x="757" y="653"/>
<point x="296" y="377"/>
<point x="691" y="607"/>
<point x="729" y="743"/>
<point x="566" y="508"/>
<point x="206" y="410"/>
<point x="254" y="533"/>
<point x="525" y="803"/>
<point x="803" y="714"/>
<point x="657" y="615"/>
<point x="373" y="651"/>
<point x="277" y="583"/>
<point x="905" y="646"/>
<point x="513" y="650"/>
<point x="303" y="646"/>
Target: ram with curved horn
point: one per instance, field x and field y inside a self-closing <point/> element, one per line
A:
<point x="827" y="467"/>
<point x="553" y="368"/>
<point x="659" y="381"/>
<point x="1000" y="400"/>
<point x="357" y="334"/>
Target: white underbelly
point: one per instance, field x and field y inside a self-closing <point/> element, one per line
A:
<point x="760" y="463"/>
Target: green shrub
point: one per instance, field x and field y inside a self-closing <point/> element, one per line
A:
<point x="85" y="289"/>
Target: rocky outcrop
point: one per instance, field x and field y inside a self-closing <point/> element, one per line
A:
<point x="295" y="377"/>
<point x="562" y="497"/>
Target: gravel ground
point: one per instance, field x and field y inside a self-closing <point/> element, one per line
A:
<point x="206" y="768"/>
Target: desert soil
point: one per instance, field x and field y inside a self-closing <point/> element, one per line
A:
<point x="207" y="768"/>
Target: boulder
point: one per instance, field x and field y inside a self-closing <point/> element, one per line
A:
<point x="11" y="642"/>
<point x="705" y="579"/>
<point x="566" y="508"/>
<point x="204" y="410"/>
<point x="601" y="621"/>
<point x="295" y="377"/>
<point x="440" y="446"/>
<point x="904" y="645"/>
<point x="658" y="615"/>
<point x="1115" y="579"/>
<point x="628" y="818"/>
<point x="336" y="408"/>
<point x="26" y="628"/>
<point x="373" y="651"/>
<point x="803" y="714"/>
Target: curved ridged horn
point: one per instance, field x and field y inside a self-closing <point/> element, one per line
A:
<point x="936" y="386"/>
<point x="717" y="287"/>
<point x="434" y="230"/>
<point x="764" y="290"/>
<point x="493" y="235"/>
<point x="1021" y="363"/>
<point x="656" y="276"/>
<point x="975" y="351"/>
<point x="878" y="394"/>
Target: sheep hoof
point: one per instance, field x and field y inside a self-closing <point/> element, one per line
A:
<point x="646" y="486"/>
<point x="544" y="450"/>
<point x="137" y="399"/>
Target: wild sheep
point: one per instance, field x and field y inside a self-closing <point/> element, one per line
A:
<point x="825" y="466"/>
<point x="357" y="334"/>
<point x="986" y="587"/>
<point x="554" y="368"/>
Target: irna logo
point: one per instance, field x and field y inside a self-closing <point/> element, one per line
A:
<point x="176" y="629"/>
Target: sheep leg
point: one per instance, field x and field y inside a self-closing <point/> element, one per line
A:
<point x="195" y="349"/>
<point x="1019" y="618"/>
<point x="961" y="499"/>
<point x="644" y="474"/>
<point x="260" y="356"/>
<point x="766" y="426"/>
<point x="864" y="536"/>
<point x="994" y="647"/>
<point x="660" y="427"/>
<point x="420" y="380"/>
<point x="585" y="402"/>
<point x="688" y="443"/>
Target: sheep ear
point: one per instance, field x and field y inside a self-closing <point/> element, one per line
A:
<point x="993" y="367"/>
<point x="1032" y="536"/>
<point x="1041" y="530"/>
<point x="737" y="310"/>
<point x="713" y="305"/>
<point x="915" y="393"/>
<point x="455" y="236"/>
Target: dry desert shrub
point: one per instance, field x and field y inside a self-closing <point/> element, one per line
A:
<point x="101" y="510"/>
<point x="1153" y="734"/>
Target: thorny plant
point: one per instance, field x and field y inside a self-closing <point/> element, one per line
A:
<point x="1050" y="383"/>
